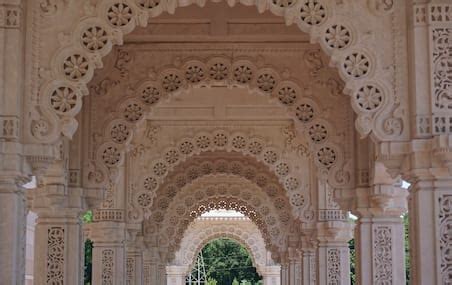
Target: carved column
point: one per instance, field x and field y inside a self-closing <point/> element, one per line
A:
<point x="134" y="266"/>
<point x="176" y="275"/>
<point x="284" y="272"/>
<point x="109" y="257"/>
<point x="294" y="268"/>
<point x="151" y="267"/>
<point x="380" y="235"/>
<point x="12" y="231"/>
<point x="271" y="275"/>
<point x="12" y="206"/>
<point x="58" y="234"/>
<point x="308" y="256"/>
<point x="430" y="209"/>
<point x="333" y="254"/>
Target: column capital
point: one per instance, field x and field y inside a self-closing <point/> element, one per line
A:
<point x="334" y="231"/>
<point x="381" y="200"/>
<point x="107" y="232"/>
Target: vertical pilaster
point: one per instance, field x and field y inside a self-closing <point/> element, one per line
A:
<point x="380" y="236"/>
<point x="271" y="275"/>
<point x="12" y="232"/>
<point x="430" y="223"/>
<point x="176" y="275"/>
<point x="333" y="254"/>
<point x="58" y="235"/>
<point x="109" y="256"/>
<point x="134" y="267"/>
<point x="294" y="272"/>
<point x="308" y="267"/>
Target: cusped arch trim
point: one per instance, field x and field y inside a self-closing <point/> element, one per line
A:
<point x="223" y="192"/>
<point x="256" y="173"/>
<point x="94" y="36"/>
<point x="329" y="158"/>
<point x="205" y="230"/>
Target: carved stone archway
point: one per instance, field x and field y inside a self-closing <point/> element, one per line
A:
<point x="207" y="167"/>
<point x="222" y="192"/>
<point x="204" y="230"/>
<point x="361" y="64"/>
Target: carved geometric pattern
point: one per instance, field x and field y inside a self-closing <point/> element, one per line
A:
<point x="55" y="256"/>
<point x="333" y="266"/>
<point x="172" y="213"/>
<point x="99" y="32"/>
<point x="338" y="37"/>
<point x="130" y="270"/>
<point x="383" y="255"/>
<point x="313" y="12"/>
<point x="445" y="237"/>
<point x="107" y="266"/>
<point x="442" y="68"/>
<point x="119" y="14"/>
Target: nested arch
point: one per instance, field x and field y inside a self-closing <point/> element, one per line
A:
<point x="279" y="161"/>
<point x="204" y="230"/>
<point x="327" y="150"/>
<point x="200" y="167"/>
<point x="109" y="20"/>
<point x="272" y="215"/>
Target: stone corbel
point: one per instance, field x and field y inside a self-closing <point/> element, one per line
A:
<point x="392" y="155"/>
<point x="388" y="200"/>
<point x="40" y="158"/>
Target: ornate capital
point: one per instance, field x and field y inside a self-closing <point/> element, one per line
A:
<point x="334" y="231"/>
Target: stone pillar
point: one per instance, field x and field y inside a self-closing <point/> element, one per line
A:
<point x="58" y="235"/>
<point x="134" y="267"/>
<point x="430" y="235"/>
<point x="151" y="270"/>
<point x="294" y="270"/>
<point x="380" y="235"/>
<point x="12" y="206"/>
<point x="272" y="275"/>
<point x="109" y="257"/>
<point x="309" y="267"/>
<point x="12" y="232"/>
<point x="333" y="254"/>
<point x="284" y="273"/>
<point x="176" y="275"/>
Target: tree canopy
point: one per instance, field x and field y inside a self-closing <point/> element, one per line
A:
<point x="227" y="262"/>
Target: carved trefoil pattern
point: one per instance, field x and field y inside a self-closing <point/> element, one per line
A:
<point x="382" y="246"/>
<point x="107" y="266"/>
<point x="445" y="237"/>
<point x="55" y="256"/>
<point x="334" y="266"/>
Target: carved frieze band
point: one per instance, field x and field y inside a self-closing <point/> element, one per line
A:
<point x="55" y="256"/>
<point x="445" y="238"/>
<point x="107" y="266"/>
<point x="383" y="255"/>
<point x="9" y="17"/>
<point x="334" y="266"/>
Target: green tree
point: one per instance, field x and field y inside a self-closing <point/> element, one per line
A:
<point x="88" y="218"/>
<point x="226" y="260"/>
